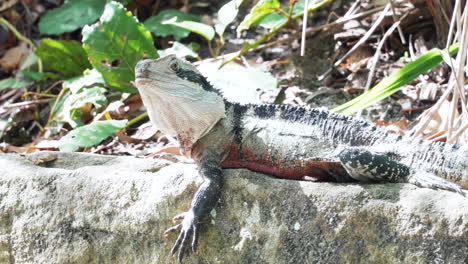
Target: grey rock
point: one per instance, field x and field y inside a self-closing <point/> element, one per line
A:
<point x="82" y="208"/>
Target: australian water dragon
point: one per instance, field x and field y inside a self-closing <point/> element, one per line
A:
<point x="285" y="141"/>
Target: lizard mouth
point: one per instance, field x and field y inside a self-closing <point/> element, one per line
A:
<point x="142" y="80"/>
<point x="141" y="75"/>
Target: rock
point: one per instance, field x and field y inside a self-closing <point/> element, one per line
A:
<point x="82" y="208"/>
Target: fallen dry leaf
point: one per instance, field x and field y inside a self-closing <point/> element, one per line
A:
<point x="14" y="57"/>
<point x="399" y="127"/>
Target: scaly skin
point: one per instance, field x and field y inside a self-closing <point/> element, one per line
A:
<point x="284" y="141"/>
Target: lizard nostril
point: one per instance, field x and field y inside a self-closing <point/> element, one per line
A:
<point x="143" y="64"/>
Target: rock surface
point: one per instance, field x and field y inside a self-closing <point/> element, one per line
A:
<point x="82" y="208"/>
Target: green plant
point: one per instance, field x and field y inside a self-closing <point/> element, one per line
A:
<point x="392" y="83"/>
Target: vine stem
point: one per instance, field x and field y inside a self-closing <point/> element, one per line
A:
<point x="16" y="32"/>
<point x="136" y="119"/>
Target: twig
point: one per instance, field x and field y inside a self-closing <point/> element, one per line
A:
<point x="52" y="86"/>
<point x="40" y="94"/>
<point x="365" y="37"/>
<point x="9" y="94"/>
<point x="16" y="105"/>
<point x="428" y="115"/>
<point x="379" y="48"/>
<point x="375" y="59"/>
<point x="136" y="119"/>
<point x="309" y="32"/>
<point x="54" y="106"/>
<point x="16" y="32"/>
<point x="400" y="31"/>
<point x="452" y="24"/>
<point x="410" y="48"/>
<point x="352" y="8"/>
<point x="252" y="46"/>
<point x="459" y="132"/>
<point x="459" y="77"/>
<point x="304" y="27"/>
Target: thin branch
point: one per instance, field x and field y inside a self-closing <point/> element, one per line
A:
<point x="400" y="31"/>
<point x="21" y="104"/>
<point x="304" y="27"/>
<point x="352" y="8"/>
<point x="309" y="32"/>
<point x="366" y="36"/>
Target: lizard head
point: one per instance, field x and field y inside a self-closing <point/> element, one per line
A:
<point x="179" y="100"/>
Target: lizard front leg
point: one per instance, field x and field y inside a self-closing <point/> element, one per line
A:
<point x="202" y="203"/>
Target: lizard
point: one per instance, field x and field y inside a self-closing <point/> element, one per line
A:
<point x="288" y="142"/>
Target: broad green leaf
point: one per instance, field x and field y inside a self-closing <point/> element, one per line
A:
<point x="156" y="24"/>
<point x="29" y="71"/>
<point x="272" y="20"/>
<point x="258" y="12"/>
<point x="116" y="44"/>
<point x="89" y="78"/>
<point x="392" y="83"/>
<point x="65" y="57"/>
<point x="33" y="76"/>
<point x="178" y="49"/>
<point x="194" y="46"/>
<point x="71" y="16"/>
<point x="12" y="83"/>
<point x="275" y="19"/>
<point x="68" y="109"/>
<point x="90" y="135"/>
<point x="201" y="29"/>
<point x="39" y="77"/>
<point x="226" y="14"/>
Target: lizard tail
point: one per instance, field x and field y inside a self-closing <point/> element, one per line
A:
<point x="429" y="180"/>
<point x="363" y="165"/>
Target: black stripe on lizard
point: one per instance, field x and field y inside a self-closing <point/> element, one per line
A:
<point x="285" y="141"/>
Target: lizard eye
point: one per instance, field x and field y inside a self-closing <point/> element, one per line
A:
<point x="174" y="66"/>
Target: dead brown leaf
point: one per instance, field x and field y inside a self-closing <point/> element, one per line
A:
<point x="14" y="57"/>
<point x="399" y="127"/>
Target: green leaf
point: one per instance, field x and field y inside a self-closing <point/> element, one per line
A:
<point x="38" y="77"/>
<point x="33" y="76"/>
<point x="68" y="109"/>
<point x="94" y="95"/>
<point x="12" y="83"/>
<point x="90" y="135"/>
<point x="71" y="16"/>
<point x="392" y="83"/>
<point x="226" y="14"/>
<point x="201" y="29"/>
<point x="156" y="24"/>
<point x="65" y="57"/>
<point x="258" y="12"/>
<point x="116" y="44"/>
<point x="272" y="20"/>
<point x="275" y="19"/>
<point x="89" y="78"/>
<point x="30" y="63"/>
<point x="178" y="49"/>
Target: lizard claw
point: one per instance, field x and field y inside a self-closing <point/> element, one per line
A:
<point x="173" y="229"/>
<point x="187" y="228"/>
<point x="178" y="217"/>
